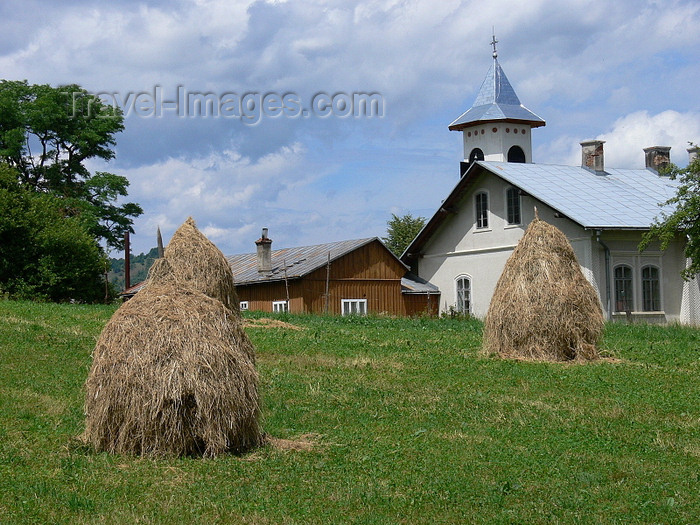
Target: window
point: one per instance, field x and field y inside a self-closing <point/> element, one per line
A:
<point x="513" y="205"/>
<point x="482" y="210"/>
<point x="244" y="305"/>
<point x="280" y="306"/>
<point x="464" y="294"/>
<point x="354" y="306"/>
<point x="651" y="292"/>
<point x="623" y="289"/>
<point x="475" y="155"/>
<point x="516" y="154"/>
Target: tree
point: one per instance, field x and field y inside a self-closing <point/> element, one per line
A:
<point x="47" y="134"/>
<point x="401" y="231"/>
<point x="44" y="254"/>
<point x="684" y="221"/>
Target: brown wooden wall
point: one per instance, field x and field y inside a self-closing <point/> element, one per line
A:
<point x="370" y="272"/>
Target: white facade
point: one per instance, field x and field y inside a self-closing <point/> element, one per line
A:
<point x="458" y="248"/>
<point x="496" y="139"/>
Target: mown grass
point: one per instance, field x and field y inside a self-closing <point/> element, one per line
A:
<point x="386" y="421"/>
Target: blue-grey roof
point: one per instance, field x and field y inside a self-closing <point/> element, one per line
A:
<point x="299" y="261"/>
<point x="496" y="101"/>
<point x="618" y="199"/>
<point x="411" y="283"/>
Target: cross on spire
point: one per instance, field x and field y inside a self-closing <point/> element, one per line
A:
<point x="493" y="43"/>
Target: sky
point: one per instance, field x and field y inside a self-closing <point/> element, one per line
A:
<point x="251" y="114"/>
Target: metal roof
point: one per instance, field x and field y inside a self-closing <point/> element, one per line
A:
<point x="299" y="261"/>
<point x="624" y="199"/>
<point x="411" y="283"/>
<point x="496" y="101"/>
<point x="614" y="199"/>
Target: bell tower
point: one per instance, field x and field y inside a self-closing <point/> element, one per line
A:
<point x="497" y="127"/>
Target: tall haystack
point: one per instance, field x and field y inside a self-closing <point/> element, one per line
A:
<point x="197" y="261"/>
<point x="172" y="375"/>
<point x="543" y="307"/>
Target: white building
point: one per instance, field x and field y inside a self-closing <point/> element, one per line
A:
<point x="604" y="212"/>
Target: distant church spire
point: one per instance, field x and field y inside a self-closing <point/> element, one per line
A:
<point x="497" y="126"/>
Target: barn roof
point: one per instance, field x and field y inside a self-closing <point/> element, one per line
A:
<point x="299" y="261"/>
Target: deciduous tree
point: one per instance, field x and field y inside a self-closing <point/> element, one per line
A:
<point x="684" y="221"/>
<point x="47" y="134"/>
<point x="401" y="231"/>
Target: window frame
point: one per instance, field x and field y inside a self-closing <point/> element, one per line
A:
<point x="459" y="305"/>
<point x="349" y="303"/>
<point x="509" y="190"/>
<point x="652" y="284"/>
<point x="276" y="307"/>
<point x="628" y="303"/>
<point x="481" y="215"/>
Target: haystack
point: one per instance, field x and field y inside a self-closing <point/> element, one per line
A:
<point x="198" y="262"/>
<point x="172" y="375"/>
<point x="543" y="307"/>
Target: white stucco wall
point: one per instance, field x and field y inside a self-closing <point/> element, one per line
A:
<point x="495" y="144"/>
<point x="457" y="248"/>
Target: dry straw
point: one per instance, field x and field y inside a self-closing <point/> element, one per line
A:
<point x="173" y="371"/>
<point x="543" y="306"/>
<point x="198" y="262"/>
<point x="172" y="375"/>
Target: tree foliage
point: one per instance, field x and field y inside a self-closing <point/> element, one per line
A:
<point x="684" y="221"/>
<point x="44" y="254"/>
<point x="401" y="231"/>
<point x="47" y="134"/>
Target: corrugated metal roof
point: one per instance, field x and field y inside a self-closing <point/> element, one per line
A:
<point x="299" y="261"/>
<point x="411" y="283"/>
<point x="496" y="101"/>
<point x="617" y="199"/>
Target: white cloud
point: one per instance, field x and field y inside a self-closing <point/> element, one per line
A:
<point x="638" y="130"/>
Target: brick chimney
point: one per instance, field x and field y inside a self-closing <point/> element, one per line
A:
<point x="693" y="153"/>
<point x="657" y="157"/>
<point x="264" y="245"/>
<point x="592" y="155"/>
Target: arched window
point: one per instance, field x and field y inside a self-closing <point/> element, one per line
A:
<point x="651" y="289"/>
<point x="475" y="155"/>
<point x="516" y="154"/>
<point x="623" y="289"/>
<point x="482" y="209"/>
<point x="513" y="205"/>
<point x="464" y="294"/>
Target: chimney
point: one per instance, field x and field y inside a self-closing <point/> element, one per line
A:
<point x="592" y="155"/>
<point x="693" y="153"/>
<point x="264" y="245"/>
<point x="657" y="157"/>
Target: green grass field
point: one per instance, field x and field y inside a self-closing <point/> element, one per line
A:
<point x="372" y="420"/>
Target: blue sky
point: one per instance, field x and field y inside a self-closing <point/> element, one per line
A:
<point x="624" y="71"/>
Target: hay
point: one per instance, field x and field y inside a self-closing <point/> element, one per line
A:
<point x="198" y="262"/>
<point x="172" y="375"/>
<point x="543" y="306"/>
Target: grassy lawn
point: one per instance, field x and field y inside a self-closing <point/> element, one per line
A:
<point x="373" y="421"/>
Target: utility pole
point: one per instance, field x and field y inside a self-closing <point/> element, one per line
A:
<point x="127" y="262"/>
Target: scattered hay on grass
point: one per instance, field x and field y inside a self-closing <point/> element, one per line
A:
<point x="266" y="322"/>
<point x="543" y="307"/>
<point x="172" y="375"/>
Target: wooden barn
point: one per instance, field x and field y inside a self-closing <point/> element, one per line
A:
<point x="347" y="277"/>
